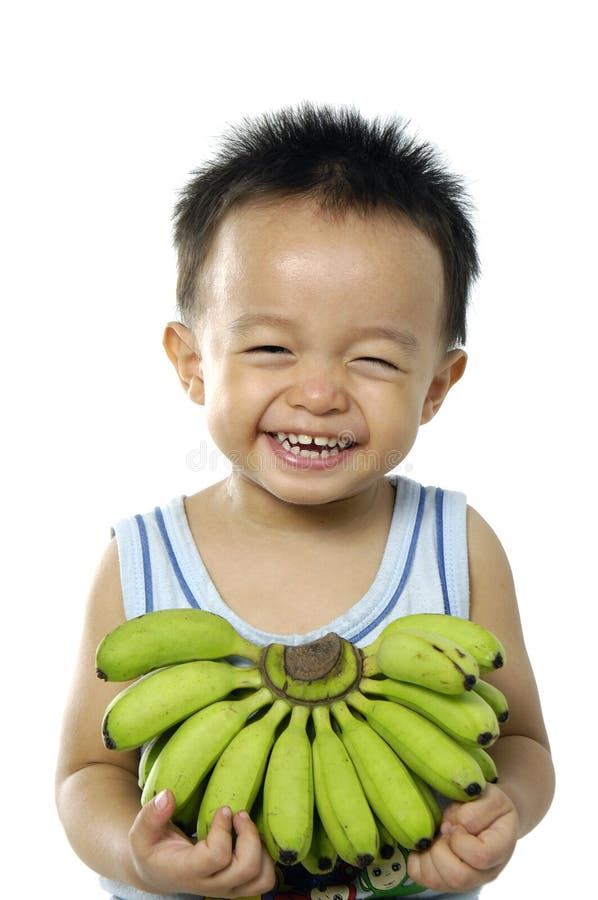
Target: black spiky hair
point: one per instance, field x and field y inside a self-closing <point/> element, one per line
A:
<point x="345" y="162"/>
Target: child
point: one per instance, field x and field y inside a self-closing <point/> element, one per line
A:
<point x="324" y="268"/>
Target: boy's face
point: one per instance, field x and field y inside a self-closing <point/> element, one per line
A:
<point x="317" y="331"/>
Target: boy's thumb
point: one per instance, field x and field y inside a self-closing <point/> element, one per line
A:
<point x="159" y="810"/>
<point x="151" y="820"/>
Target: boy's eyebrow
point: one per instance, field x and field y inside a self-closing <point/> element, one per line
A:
<point x="245" y="322"/>
<point x="405" y="339"/>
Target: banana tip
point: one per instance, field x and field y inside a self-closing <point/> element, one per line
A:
<point x="101" y="674"/>
<point x="423" y="844"/>
<point x="469" y="681"/>
<point x="498" y="661"/>
<point x="109" y="741"/>
<point x="288" y="857"/>
<point x="364" y="860"/>
<point x="485" y="738"/>
<point x="324" y="863"/>
<point x="502" y="718"/>
<point x="474" y="789"/>
<point x="386" y="851"/>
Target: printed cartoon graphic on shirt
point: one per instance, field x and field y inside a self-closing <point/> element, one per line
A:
<point x="383" y="878"/>
<point x="388" y="876"/>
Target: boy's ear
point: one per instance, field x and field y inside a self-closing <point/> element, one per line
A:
<point x="179" y="343"/>
<point x="448" y="373"/>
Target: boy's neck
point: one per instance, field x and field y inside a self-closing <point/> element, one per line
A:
<point x="244" y="502"/>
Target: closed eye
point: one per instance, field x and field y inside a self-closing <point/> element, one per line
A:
<point x="380" y="362"/>
<point x="268" y="348"/>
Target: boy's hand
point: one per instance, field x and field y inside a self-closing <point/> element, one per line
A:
<point x="476" y="841"/>
<point x="168" y="862"/>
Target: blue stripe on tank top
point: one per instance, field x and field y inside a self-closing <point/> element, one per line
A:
<point x="410" y="554"/>
<point x="147" y="565"/>
<point x="439" y="501"/>
<point x="173" y="560"/>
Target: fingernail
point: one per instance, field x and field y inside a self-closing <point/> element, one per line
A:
<point x="161" y="800"/>
<point x="446" y="828"/>
<point x="243" y="814"/>
<point x="226" y="812"/>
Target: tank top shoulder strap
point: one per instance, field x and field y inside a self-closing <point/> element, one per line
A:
<point x="149" y="565"/>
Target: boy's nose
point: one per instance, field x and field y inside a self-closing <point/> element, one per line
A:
<point x="319" y="393"/>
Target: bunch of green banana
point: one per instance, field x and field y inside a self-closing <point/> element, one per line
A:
<point x="338" y="752"/>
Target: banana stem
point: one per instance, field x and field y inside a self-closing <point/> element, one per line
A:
<point x="250" y="651"/>
<point x="370" y="667"/>
<point x="321" y="717"/>
<point x="372" y="648"/>
<point x="300" y="715"/>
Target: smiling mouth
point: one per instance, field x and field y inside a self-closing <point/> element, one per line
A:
<point x="313" y="446"/>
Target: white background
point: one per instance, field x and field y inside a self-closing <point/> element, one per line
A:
<point x="106" y="109"/>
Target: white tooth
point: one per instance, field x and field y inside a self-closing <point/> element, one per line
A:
<point x="306" y="453"/>
<point x="293" y="438"/>
<point x="304" y="439"/>
<point x="281" y="435"/>
<point x="332" y="442"/>
<point x="324" y="454"/>
<point x="334" y="451"/>
<point x="315" y="454"/>
<point x="286" y="445"/>
<point x="321" y="441"/>
<point x="295" y="449"/>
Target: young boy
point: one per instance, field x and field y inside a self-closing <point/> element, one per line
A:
<point x="324" y="269"/>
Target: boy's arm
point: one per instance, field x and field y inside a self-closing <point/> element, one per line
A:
<point x="98" y="797"/>
<point x="478" y="838"/>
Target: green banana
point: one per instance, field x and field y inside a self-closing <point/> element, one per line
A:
<point x="481" y="643"/>
<point x="430" y="798"/>
<point x="257" y="813"/>
<point x="186" y="817"/>
<point x="168" y="636"/>
<point x="424" y="747"/>
<point x="494" y="697"/>
<point x="197" y="743"/>
<point x="465" y="716"/>
<point x="423" y="658"/>
<point x="387" y="842"/>
<point x="160" y="699"/>
<point x="390" y="790"/>
<point x="238" y="774"/>
<point x="321" y="857"/>
<point x="150" y="754"/>
<point x="340" y="800"/>
<point x="485" y="762"/>
<point x="288" y="802"/>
